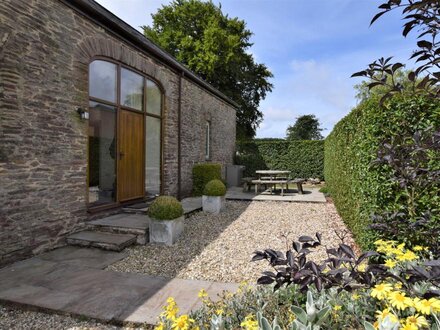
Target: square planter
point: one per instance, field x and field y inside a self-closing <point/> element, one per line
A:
<point x="213" y="204"/>
<point x="165" y="231"/>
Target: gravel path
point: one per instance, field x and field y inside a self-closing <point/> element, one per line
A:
<point x="219" y="248"/>
<point x="216" y="248"/>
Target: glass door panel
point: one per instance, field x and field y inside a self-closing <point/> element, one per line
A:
<point x="102" y="154"/>
<point x="152" y="156"/>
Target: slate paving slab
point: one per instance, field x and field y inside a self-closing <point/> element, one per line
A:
<point x="79" y="286"/>
<point x="191" y="204"/>
<point x="123" y="220"/>
<point x="311" y="195"/>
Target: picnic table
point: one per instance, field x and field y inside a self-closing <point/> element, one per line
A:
<point x="274" y="177"/>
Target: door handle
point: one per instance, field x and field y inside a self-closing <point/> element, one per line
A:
<point x="121" y="154"/>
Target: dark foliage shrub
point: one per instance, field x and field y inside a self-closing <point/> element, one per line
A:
<point x="202" y="174"/>
<point x="305" y="159"/>
<point x="215" y="188"/>
<point x="342" y="269"/>
<point x="165" y="208"/>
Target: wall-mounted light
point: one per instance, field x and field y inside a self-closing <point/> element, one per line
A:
<point x="83" y="114"/>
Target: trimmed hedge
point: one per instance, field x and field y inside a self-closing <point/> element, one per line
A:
<point x="165" y="208"/>
<point x="215" y="188"/>
<point x="202" y="174"/>
<point x="359" y="189"/>
<point x="305" y="159"/>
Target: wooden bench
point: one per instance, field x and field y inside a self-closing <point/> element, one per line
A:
<point x="299" y="183"/>
<point x="246" y="182"/>
<point x="271" y="183"/>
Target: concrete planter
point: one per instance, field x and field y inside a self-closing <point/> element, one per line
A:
<point x="165" y="231"/>
<point x="213" y="204"/>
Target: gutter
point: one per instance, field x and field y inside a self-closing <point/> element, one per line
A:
<point x="179" y="138"/>
<point x="106" y="19"/>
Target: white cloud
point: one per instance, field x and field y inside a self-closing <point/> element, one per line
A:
<point x="309" y="87"/>
<point x="134" y="12"/>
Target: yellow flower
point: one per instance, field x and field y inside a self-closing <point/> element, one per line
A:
<point x="398" y="300"/>
<point x="159" y="326"/>
<point x="418" y="248"/>
<point x="390" y="263"/>
<point x="408" y="326"/>
<point x="381" y="315"/>
<point x="419" y="321"/>
<point x="407" y="256"/>
<point x="183" y="322"/>
<point x="337" y="307"/>
<point x="380" y="291"/>
<point x="203" y="294"/>
<point x="398" y="286"/>
<point x="401" y="246"/>
<point x="362" y="267"/>
<point x="170" y="310"/>
<point x="355" y="296"/>
<point x="427" y="306"/>
<point x="219" y="311"/>
<point x="292" y="316"/>
<point x="249" y="323"/>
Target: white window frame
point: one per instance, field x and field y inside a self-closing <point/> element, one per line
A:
<point x="208" y="140"/>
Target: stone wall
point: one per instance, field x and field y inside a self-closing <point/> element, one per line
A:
<point x="198" y="107"/>
<point x="45" y="49"/>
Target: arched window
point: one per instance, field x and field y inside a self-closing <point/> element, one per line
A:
<point x="125" y="149"/>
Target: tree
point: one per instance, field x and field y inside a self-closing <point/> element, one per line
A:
<point x="215" y="47"/>
<point x="363" y="92"/>
<point x="306" y="127"/>
<point x="424" y="17"/>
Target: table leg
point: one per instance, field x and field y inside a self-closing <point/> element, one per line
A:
<point x="300" y="188"/>
<point x="256" y="188"/>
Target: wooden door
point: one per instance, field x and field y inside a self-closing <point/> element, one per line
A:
<point x="130" y="155"/>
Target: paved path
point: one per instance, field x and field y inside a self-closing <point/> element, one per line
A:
<point x="72" y="280"/>
<point x="311" y="195"/>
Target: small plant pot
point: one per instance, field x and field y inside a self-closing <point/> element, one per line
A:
<point x="165" y="231"/>
<point x="213" y="204"/>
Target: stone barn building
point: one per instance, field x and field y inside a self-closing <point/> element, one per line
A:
<point x="93" y="116"/>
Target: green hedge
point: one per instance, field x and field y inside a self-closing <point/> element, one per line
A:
<point x="203" y="173"/>
<point x="305" y="159"/>
<point x="359" y="189"/>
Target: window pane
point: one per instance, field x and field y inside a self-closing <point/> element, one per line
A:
<point x="154" y="98"/>
<point x="102" y="80"/>
<point x="152" y="156"/>
<point x="208" y="140"/>
<point x="132" y="86"/>
<point x="102" y="151"/>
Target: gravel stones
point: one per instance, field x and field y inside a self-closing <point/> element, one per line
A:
<point x="219" y="247"/>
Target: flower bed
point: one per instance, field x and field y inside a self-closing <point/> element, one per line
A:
<point x="397" y="289"/>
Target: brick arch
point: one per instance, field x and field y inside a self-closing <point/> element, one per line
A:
<point x="91" y="47"/>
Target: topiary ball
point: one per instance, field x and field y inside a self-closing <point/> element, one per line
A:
<point x="165" y="208"/>
<point x="215" y="188"/>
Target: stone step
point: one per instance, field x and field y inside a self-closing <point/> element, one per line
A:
<point x="129" y="210"/>
<point x="138" y="208"/>
<point x="122" y="223"/>
<point x="103" y="240"/>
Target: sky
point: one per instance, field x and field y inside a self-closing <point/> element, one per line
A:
<point x="311" y="46"/>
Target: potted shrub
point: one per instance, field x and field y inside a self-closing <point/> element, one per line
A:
<point x="213" y="199"/>
<point x="166" y="220"/>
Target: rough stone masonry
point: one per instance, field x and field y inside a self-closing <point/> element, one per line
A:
<point x="45" y="49"/>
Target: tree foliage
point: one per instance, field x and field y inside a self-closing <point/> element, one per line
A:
<point x="424" y="17"/>
<point x="216" y="47"/>
<point x="306" y="127"/>
<point x="363" y="92"/>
